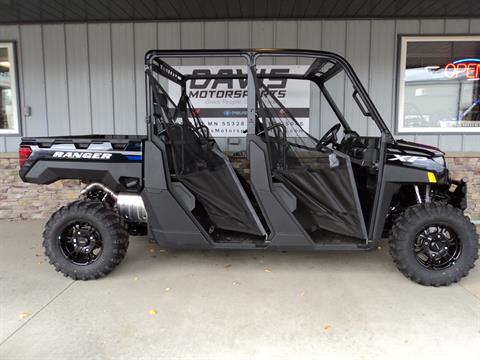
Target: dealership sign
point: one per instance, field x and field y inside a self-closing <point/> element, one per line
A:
<point x="222" y="103"/>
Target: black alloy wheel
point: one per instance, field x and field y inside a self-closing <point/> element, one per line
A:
<point x="434" y="244"/>
<point x="81" y="243"/>
<point x="437" y="247"/>
<point x="85" y="240"/>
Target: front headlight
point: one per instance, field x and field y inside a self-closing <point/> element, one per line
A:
<point x="440" y="160"/>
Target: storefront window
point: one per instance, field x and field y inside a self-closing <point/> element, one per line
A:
<point x="8" y="91"/>
<point x="439" y="87"/>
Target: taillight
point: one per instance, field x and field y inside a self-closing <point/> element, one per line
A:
<point x="23" y="153"/>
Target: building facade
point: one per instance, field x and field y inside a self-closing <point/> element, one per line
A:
<point x="87" y="78"/>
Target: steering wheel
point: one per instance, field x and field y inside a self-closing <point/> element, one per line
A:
<point x="330" y="137"/>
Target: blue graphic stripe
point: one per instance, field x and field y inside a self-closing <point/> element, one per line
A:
<point x="134" y="157"/>
<point x="466" y="60"/>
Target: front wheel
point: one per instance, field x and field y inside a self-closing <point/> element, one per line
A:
<point x="85" y="240"/>
<point x="434" y="244"/>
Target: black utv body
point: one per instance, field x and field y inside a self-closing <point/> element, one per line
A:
<point x="302" y="193"/>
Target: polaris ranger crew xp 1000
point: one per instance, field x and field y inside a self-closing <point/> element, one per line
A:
<point x="343" y="191"/>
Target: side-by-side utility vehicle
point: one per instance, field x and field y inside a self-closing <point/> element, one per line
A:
<point x="344" y="191"/>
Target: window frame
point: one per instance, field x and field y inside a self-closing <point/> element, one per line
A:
<point x="400" y="88"/>
<point x="14" y="85"/>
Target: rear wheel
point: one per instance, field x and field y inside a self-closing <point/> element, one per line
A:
<point x="85" y="240"/>
<point x="434" y="244"/>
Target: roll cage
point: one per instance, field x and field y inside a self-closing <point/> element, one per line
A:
<point x="154" y="62"/>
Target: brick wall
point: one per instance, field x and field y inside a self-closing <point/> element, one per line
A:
<point x="468" y="167"/>
<point x="19" y="200"/>
<point x="30" y="201"/>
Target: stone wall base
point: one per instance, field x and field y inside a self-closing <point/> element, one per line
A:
<point x="19" y="200"/>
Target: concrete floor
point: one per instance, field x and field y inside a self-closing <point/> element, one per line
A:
<point x="218" y="305"/>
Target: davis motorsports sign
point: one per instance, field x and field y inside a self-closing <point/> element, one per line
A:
<point x="222" y="103"/>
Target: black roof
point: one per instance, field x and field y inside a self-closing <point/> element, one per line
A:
<point x="32" y="11"/>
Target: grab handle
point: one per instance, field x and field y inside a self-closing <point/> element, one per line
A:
<point x="360" y="104"/>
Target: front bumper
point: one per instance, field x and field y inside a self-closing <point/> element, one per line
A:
<point x="458" y="196"/>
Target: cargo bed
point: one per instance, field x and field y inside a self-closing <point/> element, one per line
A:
<point x="115" y="160"/>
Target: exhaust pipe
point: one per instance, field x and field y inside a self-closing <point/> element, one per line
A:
<point x="129" y="206"/>
<point x="98" y="186"/>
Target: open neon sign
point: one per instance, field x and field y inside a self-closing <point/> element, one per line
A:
<point x="470" y="68"/>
